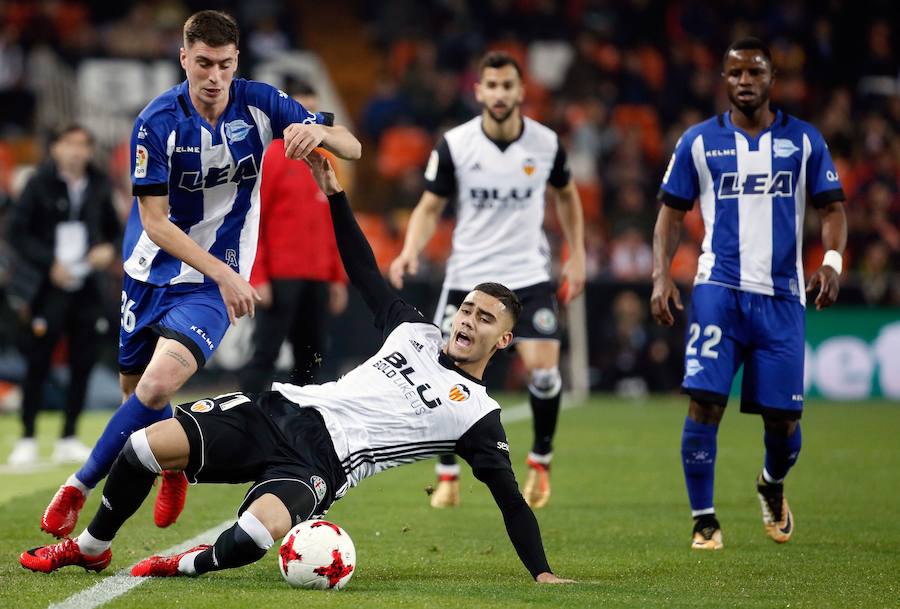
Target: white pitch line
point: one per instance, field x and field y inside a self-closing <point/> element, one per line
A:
<point x="120" y="583"/>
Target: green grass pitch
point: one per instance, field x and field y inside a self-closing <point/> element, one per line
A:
<point x="618" y="522"/>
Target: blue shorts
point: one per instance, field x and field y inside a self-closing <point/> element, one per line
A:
<point x="730" y="327"/>
<point x="194" y="314"/>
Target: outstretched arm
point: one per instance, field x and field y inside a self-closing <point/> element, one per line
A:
<point x="356" y="253"/>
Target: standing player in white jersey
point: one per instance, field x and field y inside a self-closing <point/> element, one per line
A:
<point x="304" y="447"/>
<point x="499" y="165"/>
<point x="753" y="169"/>
<point x="191" y="238"/>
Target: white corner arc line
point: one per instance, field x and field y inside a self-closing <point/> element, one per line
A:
<point x="116" y="585"/>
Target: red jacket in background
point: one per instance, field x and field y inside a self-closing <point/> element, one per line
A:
<point x="296" y="237"/>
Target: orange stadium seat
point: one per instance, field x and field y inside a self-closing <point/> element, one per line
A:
<point x="402" y="148"/>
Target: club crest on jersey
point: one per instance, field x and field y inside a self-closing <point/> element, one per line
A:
<point x="237" y="131"/>
<point x="779" y="185"/>
<point x="544" y="320"/>
<point x="783" y="148"/>
<point x="141" y="157"/>
<point x="459" y="393"/>
<point x="319" y="487"/>
<point x="528" y="167"/>
<point x="202" y="406"/>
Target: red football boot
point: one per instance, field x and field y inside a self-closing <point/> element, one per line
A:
<point x="61" y="515"/>
<point x="170" y="499"/>
<point x="63" y="554"/>
<point x="163" y="566"/>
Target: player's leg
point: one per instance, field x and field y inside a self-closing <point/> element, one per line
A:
<point x="773" y="387"/>
<point x="446" y="489"/>
<point x="308" y="332"/>
<point x="130" y="479"/>
<point x="270" y="330"/>
<point x="714" y="348"/>
<point x="541" y="360"/>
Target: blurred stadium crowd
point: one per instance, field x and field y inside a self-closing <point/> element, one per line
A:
<point x="619" y="80"/>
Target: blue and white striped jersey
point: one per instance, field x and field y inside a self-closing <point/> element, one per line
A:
<point x="211" y="176"/>
<point x="753" y="194"/>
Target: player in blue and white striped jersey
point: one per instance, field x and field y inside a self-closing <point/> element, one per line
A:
<point x="191" y="237"/>
<point x="753" y="169"/>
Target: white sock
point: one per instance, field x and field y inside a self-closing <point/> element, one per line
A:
<point x="90" y="545"/>
<point x="186" y="564"/>
<point x="768" y="478"/>
<point x="74" y="481"/>
<point x="542" y="459"/>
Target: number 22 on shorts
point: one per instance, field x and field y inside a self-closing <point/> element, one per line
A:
<point x="713" y="335"/>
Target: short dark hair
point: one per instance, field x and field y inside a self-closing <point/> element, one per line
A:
<point x="498" y="59"/>
<point x="64" y="130"/>
<point x="299" y="86"/>
<point x="506" y="296"/>
<point x="749" y="44"/>
<point x="214" y="28"/>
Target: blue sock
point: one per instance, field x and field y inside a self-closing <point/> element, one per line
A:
<point x="698" y="455"/>
<point x="781" y="454"/>
<point x="131" y="416"/>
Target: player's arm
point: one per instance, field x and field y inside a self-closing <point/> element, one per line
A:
<point x="666" y="235"/>
<point x="485" y="448"/>
<point x="24" y="220"/>
<point x="571" y="220"/>
<point x="356" y="253"/>
<point x="422" y="223"/>
<point x="238" y="295"/>
<point x="440" y="184"/>
<point x="827" y="197"/>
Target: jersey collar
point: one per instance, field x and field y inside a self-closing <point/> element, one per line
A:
<point x="504" y="144"/>
<point x="779" y="119"/>
<point x="445" y="361"/>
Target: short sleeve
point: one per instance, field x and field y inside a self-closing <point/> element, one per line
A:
<point x="821" y="174"/>
<point x="149" y="160"/>
<point x="440" y="173"/>
<point x="680" y="184"/>
<point x="560" y="173"/>
<point x="484" y="446"/>
<point x="286" y="111"/>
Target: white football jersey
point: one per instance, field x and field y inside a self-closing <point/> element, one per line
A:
<point x="500" y="189"/>
<point x="406" y="403"/>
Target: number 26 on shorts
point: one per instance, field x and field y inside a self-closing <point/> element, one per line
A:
<point x="128" y="318"/>
<point x="713" y="335"/>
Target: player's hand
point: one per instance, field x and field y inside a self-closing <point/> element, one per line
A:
<point x="404" y="264"/>
<point x="265" y="295"/>
<point x="323" y="173"/>
<point x="549" y="578"/>
<point x="337" y="298"/>
<point x="240" y="297"/>
<point x="573" y="275"/>
<point x="829" y="283"/>
<point x="664" y="289"/>
<point x="300" y="140"/>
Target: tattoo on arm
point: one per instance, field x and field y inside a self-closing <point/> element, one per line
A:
<point x="179" y="358"/>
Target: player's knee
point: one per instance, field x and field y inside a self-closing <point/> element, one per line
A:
<point x="138" y="454"/>
<point x="155" y="390"/>
<point x="707" y="413"/>
<point x="780" y="427"/>
<point x="545" y="382"/>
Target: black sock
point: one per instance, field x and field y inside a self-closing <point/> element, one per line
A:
<point x="448" y="459"/>
<point x="127" y="485"/>
<point x="233" y="548"/>
<point x="545" y="412"/>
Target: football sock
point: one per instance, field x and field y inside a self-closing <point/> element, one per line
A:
<point x="544" y="393"/>
<point x="445" y="462"/>
<point x="781" y="454"/>
<point x="128" y="484"/>
<point x="698" y="454"/>
<point x="245" y="542"/>
<point x="131" y="416"/>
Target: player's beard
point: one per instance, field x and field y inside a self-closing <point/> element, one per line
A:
<point x="502" y="118"/>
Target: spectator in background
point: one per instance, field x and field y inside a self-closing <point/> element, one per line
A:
<point x="63" y="229"/>
<point x="298" y="271"/>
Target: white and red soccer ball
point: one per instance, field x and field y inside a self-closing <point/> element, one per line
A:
<point x="317" y="554"/>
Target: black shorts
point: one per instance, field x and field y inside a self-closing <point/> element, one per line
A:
<point x="236" y="438"/>
<point x="539" y="319"/>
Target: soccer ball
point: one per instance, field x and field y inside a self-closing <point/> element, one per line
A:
<point x="317" y="554"/>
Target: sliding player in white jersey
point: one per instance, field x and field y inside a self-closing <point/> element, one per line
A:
<point x="191" y="238"/>
<point x="753" y="169"/>
<point x="304" y="447"/>
<point x="499" y="165"/>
